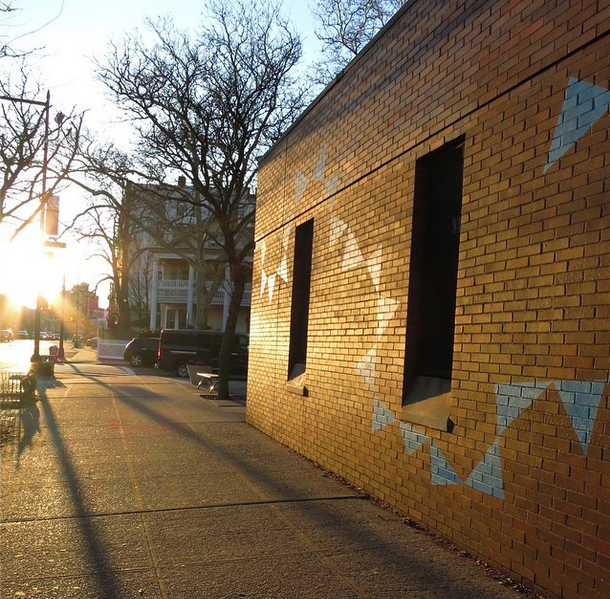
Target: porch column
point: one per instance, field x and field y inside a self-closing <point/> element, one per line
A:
<point x="190" y="320"/>
<point x="153" y="294"/>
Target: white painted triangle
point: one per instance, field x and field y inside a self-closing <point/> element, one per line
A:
<point x="286" y="239"/>
<point x="373" y="263"/>
<point x="382" y="415"/>
<point x="441" y="471"/>
<point x="583" y="105"/>
<point x="366" y="368"/>
<point x="352" y="256"/>
<point x="337" y="228"/>
<point x="271" y="285"/>
<point x="331" y="185"/>
<point x="581" y="400"/>
<point x="386" y="309"/>
<point x="487" y="476"/>
<point x="513" y="398"/>
<point x="301" y="183"/>
<point x="412" y="439"/>
<point x="282" y="270"/>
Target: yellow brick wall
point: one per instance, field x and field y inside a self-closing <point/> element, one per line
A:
<point x="523" y="478"/>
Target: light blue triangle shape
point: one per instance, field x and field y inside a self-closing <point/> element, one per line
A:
<point x="441" y="471"/>
<point x="382" y="415"/>
<point x="513" y="398"/>
<point x="581" y="400"/>
<point x="413" y="439"/>
<point x="583" y="105"/>
<point x="487" y="476"/>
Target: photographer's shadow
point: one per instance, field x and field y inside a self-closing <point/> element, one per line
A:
<point x="30" y="413"/>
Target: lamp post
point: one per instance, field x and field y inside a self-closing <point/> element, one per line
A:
<point x="62" y="323"/>
<point x="43" y="202"/>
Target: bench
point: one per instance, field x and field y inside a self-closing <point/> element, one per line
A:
<point x="208" y="382"/>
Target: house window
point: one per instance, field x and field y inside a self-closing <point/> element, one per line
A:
<point x="299" y="314"/>
<point x="433" y="276"/>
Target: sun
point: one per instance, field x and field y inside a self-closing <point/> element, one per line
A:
<point x="27" y="270"/>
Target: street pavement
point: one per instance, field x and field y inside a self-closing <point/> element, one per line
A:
<point x="122" y="484"/>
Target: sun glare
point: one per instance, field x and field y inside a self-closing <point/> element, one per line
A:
<point x="26" y="270"/>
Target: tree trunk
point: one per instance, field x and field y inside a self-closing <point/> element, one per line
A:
<point x="204" y="295"/>
<point x="202" y="305"/>
<point x="238" y="277"/>
<point x="124" y="312"/>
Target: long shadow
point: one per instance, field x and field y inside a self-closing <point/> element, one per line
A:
<point x="29" y="423"/>
<point x="97" y="557"/>
<point x="420" y="568"/>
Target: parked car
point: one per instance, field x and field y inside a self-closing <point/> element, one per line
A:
<point x="91" y="342"/>
<point x="23" y="335"/>
<point x="179" y="347"/>
<point x="142" y="351"/>
<point x="6" y="335"/>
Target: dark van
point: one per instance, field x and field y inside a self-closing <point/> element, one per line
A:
<point x="179" y="347"/>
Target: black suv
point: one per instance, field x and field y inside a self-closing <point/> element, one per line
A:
<point x="179" y="347"/>
<point x="142" y="351"/>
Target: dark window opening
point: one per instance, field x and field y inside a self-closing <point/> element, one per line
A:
<point x="433" y="273"/>
<point x="299" y="315"/>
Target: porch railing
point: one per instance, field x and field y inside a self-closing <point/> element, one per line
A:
<point x="176" y="291"/>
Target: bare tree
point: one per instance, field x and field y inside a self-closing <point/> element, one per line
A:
<point x="103" y="172"/>
<point x="205" y="107"/>
<point x="31" y="144"/>
<point x="125" y="221"/>
<point x="345" y="27"/>
<point x="11" y="31"/>
<point x="8" y="10"/>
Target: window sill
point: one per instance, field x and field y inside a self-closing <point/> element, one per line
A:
<point x="429" y="403"/>
<point x="297" y="385"/>
<point x="297" y="390"/>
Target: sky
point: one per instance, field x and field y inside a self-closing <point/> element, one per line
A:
<point x="70" y="33"/>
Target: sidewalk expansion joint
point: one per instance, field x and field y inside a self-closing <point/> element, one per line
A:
<point x="211" y="506"/>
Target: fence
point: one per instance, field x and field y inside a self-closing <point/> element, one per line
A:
<point x="15" y="388"/>
<point x="111" y="349"/>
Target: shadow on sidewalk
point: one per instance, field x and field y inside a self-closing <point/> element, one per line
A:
<point x="418" y="564"/>
<point x="102" y="572"/>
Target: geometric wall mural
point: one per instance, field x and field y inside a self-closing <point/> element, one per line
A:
<point x="580" y="399"/>
<point x="268" y="281"/>
<point x="583" y="105"/>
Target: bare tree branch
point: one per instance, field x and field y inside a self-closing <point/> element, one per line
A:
<point x="345" y="27"/>
<point x="204" y="108"/>
<point x="23" y="136"/>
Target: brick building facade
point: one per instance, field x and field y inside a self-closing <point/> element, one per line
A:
<point x="431" y="293"/>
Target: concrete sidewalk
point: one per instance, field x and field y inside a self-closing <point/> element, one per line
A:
<point x="121" y="485"/>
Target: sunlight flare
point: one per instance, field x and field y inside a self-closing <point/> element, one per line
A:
<point x="27" y="269"/>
